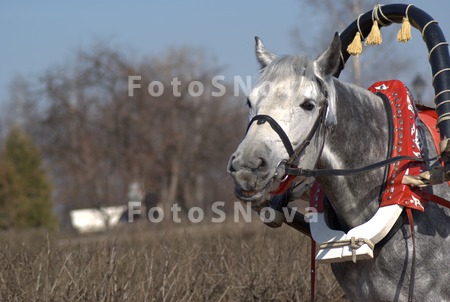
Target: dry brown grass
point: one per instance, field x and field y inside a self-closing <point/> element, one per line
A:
<point x="209" y="262"/>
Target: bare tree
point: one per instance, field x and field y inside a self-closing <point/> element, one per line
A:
<point x="96" y="139"/>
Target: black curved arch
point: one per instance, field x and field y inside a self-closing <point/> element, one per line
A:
<point x="434" y="39"/>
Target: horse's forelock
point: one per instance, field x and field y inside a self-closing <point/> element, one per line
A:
<point x="287" y="66"/>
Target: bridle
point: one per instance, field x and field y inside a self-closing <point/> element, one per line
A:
<point x="294" y="154"/>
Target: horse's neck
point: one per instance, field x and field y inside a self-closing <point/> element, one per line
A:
<point x="360" y="138"/>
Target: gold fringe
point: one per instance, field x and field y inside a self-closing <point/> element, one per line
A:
<point x="404" y="35"/>
<point x="355" y="48"/>
<point x="374" y="37"/>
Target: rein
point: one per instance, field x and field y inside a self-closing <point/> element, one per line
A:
<point x="345" y="172"/>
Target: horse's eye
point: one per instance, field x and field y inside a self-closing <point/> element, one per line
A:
<point x="308" y="105"/>
<point x="249" y="104"/>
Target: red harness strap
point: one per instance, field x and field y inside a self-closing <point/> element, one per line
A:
<point x="436" y="199"/>
<point x="405" y="141"/>
<point x="284" y="186"/>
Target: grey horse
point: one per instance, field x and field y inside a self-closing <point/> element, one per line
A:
<point x="354" y="134"/>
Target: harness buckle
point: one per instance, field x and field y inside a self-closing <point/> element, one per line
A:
<point x="280" y="171"/>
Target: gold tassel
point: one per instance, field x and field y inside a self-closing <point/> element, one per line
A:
<point x="404" y="35"/>
<point x="355" y="48"/>
<point x="374" y="37"/>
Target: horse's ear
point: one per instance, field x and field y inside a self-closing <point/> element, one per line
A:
<point x="328" y="62"/>
<point x="262" y="54"/>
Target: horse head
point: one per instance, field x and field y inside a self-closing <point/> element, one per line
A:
<point x="293" y="93"/>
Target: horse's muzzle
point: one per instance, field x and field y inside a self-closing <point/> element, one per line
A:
<point x="250" y="178"/>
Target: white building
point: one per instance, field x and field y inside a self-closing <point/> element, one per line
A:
<point x="94" y="220"/>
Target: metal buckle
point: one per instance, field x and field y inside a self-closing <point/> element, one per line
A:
<point x="281" y="167"/>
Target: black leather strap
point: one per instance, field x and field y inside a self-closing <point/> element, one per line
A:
<point x="262" y="118"/>
<point x="344" y="172"/>
<point x="389" y="116"/>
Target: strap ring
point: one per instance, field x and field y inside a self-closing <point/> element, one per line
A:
<point x="280" y="171"/>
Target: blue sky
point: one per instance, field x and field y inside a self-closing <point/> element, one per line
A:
<point x="38" y="34"/>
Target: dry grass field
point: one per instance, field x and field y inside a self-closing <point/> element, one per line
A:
<point x="144" y="262"/>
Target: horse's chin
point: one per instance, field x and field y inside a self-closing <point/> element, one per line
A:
<point x="256" y="197"/>
<point x="257" y="200"/>
<point x="250" y="196"/>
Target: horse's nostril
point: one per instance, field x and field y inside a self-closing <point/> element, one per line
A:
<point x="256" y="164"/>
<point x="261" y="164"/>
<point x="231" y="168"/>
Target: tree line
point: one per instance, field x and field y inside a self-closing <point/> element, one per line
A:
<point x="96" y="139"/>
